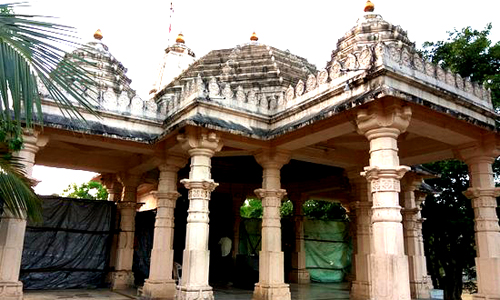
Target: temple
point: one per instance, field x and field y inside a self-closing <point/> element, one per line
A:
<point x="255" y="120"/>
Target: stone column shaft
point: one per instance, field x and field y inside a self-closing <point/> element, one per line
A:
<point x="238" y="201"/>
<point x="201" y="146"/>
<point x="299" y="273"/>
<point x="115" y="191"/>
<point x="362" y="207"/>
<point x="160" y="284"/>
<point x="483" y="195"/>
<point x="389" y="265"/>
<point x="12" y="230"/>
<point x="123" y="276"/>
<point x="414" y="246"/>
<point x="271" y="283"/>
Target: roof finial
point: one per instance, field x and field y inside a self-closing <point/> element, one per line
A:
<point x="180" y="39"/>
<point x="254" y="37"/>
<point x="98" y="34"/>
<point x="369" y="6"/>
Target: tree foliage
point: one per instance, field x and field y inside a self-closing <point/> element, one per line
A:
<point x="91" y="190"/>
<point x="449" y="228"/>
<point x="313" y="209"/>
<point x="470" y="53"/>
<point x="449" y="225"/>
<point x="29" y="58"/>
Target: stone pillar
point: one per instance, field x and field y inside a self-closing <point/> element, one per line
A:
<point x="201" y="146"/>
<point x="382" y="124"/>
<point x="271" y="283"/>
<point x="115" y="190"/>
<point x="238" y="200"/>
<point x="362" y="207"/>
<point x="419" y="199"/>
<point x="353" y="227"/>
<point x="160" y="284"/>
<point x="483" y="194"/>
<point x="12" y="230"/>
<point x="123" y="277"/>
<point x="299" y="273"/>
<point x="412" y="230"/>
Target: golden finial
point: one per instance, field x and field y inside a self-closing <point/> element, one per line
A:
<point x="369" y="6"/>
<point x="180" y="39"/>
<point x="98" y="34"/>
<point x="254" y="37"/>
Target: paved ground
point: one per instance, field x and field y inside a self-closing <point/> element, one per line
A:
<point x="314" y="291"/>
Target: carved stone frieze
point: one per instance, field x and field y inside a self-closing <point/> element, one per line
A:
<point x="440" y="74"/>
<point x="385" y="185"/>
<point x="299" y="88"/>
<point x="213" y="88"/>
<point x="240" y="94"/>
<point x="351" y="62"/>
<point x="310" y="83"/>
<point x="418" y="62"/>
<point x="227" y="92"/>
<point x="336" y="70"/>
<point x="290" y="94"/>
<point x="365" y="58"/>
<point x="406" y="58"/>
<point x="430" y="69"/>
<point x="322" y="77"/>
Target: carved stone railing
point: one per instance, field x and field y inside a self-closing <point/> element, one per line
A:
<point x="402" y="59"/>
<point x="399" y="58"/>
<point x="256" y="100"/>
<point x="122" y="104"/>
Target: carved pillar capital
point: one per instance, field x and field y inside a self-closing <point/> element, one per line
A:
<point x="128" y="205"/>
<point x="129" y="180"/>
<point x="267" y="193"/>
<point x="272" y="158"/>
<point x="200" y="142"/>
<point x="32" y="142"/>
<point x="385" y="180"/>
<point x="486" y="149"/>
<point x="380" y="120"/>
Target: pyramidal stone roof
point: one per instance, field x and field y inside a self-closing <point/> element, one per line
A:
<point x="113" y="92"/>
<point x="252" y="73"/>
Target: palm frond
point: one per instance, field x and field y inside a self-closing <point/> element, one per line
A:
<point x="29" y="53"/>
<point x="16" y="194"/>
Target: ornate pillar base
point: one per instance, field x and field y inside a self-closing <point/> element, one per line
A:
<point x="122" y="280"/>
<point x="390" y="277"/>
<point x="11" y="290"/>
<point x="195" y="293"/>
<point x="360" y="290"/>
<point x="300" y="276"/>
<point x="487" y="270"/>
<point x="271" y="292"/>
<point x="420" y="289"/>
<point x="159" y="290"/>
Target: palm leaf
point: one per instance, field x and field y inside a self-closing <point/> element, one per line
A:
<point x="29" y="56"/>
<point x="16" y="194"/>
<point x="29" y="51"/>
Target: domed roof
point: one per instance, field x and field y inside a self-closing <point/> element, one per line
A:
<point x="250" y="66"/>
<point x="102" y="65"/>
<point x="370" y="30"/>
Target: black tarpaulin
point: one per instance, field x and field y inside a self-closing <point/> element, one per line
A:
<point x="70" y="249"/>
<point x="144" y="233"/>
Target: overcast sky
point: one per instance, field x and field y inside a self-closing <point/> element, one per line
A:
<point x="136" y="32"/>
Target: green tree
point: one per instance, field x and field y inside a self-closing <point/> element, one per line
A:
<point x="324" y="210"/>
<point x="91" y="190"/>
<point x="470" y="53"/>
<point x="449" y="228"/>
<point x="29" y="57"/>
